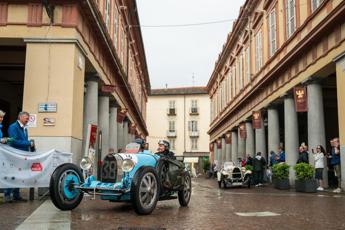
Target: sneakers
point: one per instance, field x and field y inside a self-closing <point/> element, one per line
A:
<point x="319" y="189"/>
<point x="338" y="190"/>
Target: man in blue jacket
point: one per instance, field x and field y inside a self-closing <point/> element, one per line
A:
<point x="19" y="133"/>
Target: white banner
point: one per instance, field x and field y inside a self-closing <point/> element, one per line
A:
<point x="20" y="169"/>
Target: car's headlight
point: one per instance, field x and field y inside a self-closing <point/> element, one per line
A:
<point x="127" y="165"/>
<point x="85" y="163"/>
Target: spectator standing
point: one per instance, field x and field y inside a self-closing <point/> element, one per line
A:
<point x="273" y="158"/>
<point x="2" y="139"/>
<point x="249" y="160"/>
<point x="19" y="133"/>
<point x="303" y="156"/>
<point x="259" y="165"/>
<point x="281" y="154"/>
<point x="335" y="161"/>
<point x="319" y="165"/>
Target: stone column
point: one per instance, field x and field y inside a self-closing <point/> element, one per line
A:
<point x="125" y="134"/>
<point x="113" y="129"/>
<point x="120" y="136"/>
<point x="241" y="146"/>
<point x="316" y="124"/>
<point x="340" y="73"/>
<point x="228" y="148"/>
<point x="260" y="137"/>
<point x="250" y="142"/>
<point x="234" y="146"/>
<point x="103" y="121"/>
<point x="90" y="106"/>
<point x="215" y="150"/>
<point x="291" y="135"/>
<point x="223" y="150"/>
<point x="273" y="130"/>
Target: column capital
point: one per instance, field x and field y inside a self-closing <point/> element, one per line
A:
<point x="94" y="76"/>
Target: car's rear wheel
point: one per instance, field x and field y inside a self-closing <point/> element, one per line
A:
<point x="145" y="192"/>
<point x="185" y="195"/>
<point x="62" y="189"/>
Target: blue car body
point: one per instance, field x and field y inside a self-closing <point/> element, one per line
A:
<point x="120" y="191"/>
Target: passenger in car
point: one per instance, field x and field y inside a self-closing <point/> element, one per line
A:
<point x="164" y="149"/>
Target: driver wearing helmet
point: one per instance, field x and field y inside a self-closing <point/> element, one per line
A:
<point x="164" y="149"/>
<point x="141" y="142"/>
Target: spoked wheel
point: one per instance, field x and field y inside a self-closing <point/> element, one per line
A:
<point x="62" y="189"/>
<point x="145" y="192"/>
<point x="185" y="195"/>
<point x="163" y="169"/>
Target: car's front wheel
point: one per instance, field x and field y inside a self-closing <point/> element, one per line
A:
<point x="145" y="191"/>
<point x="62" y="189"/>
<point x="185" y="195"/>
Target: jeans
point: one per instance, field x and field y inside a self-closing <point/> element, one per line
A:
<point x="258" y="177"/>
<point x="15" y="191"/>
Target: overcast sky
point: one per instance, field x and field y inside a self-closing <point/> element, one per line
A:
<point x="174" y="54"/>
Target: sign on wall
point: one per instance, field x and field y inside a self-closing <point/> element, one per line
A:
<point x="257" y="120"/>
<point x="32" y="121"/>
<point x="301" y="98"/>
<point x="47" y="107"/>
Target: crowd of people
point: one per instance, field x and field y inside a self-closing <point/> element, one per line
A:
<point x="329" y="160"/>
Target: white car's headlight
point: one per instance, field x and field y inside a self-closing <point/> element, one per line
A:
<point x="127" y="165"/>
<point x="85" y="163"/>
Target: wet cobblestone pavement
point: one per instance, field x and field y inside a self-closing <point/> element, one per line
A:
<point x="211" y="208"/>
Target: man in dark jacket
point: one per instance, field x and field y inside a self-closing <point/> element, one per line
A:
<point x="303" y="156"/>
<point x="18" y="132"/>
<point x="259" y="165"/>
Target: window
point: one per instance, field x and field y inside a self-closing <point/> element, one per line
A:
<point x="224" y="93"/>
<point x="229" y="84"/>
<point x="193" y="126"/>
<point x="107" y="14"/>
<point x="171" y="126"/>
<point x="194" y="143"/>
<point x="272" y="32"/>
<point x="290" y="17"/>
<point x="240" y="71"/>
<point x="172" y="104"/>
<point x="315" y="4"/>
<point x="194" y="107"/>
<point x="234" y="81"/>
<point x="116" y="27"/>
<point x="258" y="51"/>
<point x="248" y="63"/>
<point x="172" y="143"/>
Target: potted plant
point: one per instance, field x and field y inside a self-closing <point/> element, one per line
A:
<point x="305" y="181"/>
<point x="280" y="174"/>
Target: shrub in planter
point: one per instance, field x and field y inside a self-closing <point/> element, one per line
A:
<point x="280" y="173"/>
<point x="305" y="181"/>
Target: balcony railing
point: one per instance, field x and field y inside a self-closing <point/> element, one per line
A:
<point x="171" y="111"/>
<point x="171" y="133"/>
<point x="194" y="111"/>
<point x="194" y="133"/>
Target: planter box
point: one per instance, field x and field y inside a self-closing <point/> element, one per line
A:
<point x="281" y="184"/>
<point x="306" y="186"/>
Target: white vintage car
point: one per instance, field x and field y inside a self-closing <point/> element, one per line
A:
<point x="231" y="175"/>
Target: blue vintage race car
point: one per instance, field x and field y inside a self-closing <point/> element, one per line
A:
<point x="141" y="178"/>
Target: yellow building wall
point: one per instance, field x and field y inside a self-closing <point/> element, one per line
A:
<point x="52" y="75"/>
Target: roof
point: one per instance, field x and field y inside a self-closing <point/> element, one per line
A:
<point x="179" y="91"/>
